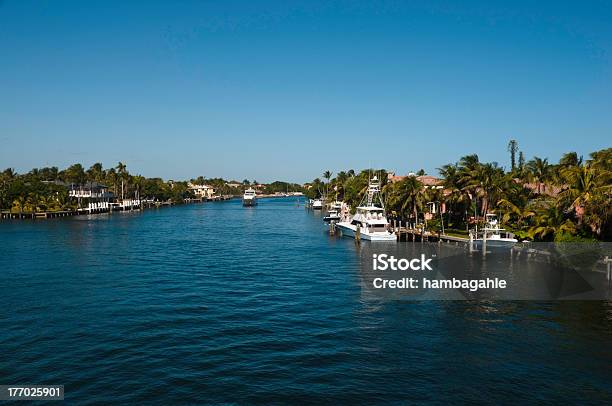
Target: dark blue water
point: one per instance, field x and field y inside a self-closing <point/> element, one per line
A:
<point x="216" y="303"/>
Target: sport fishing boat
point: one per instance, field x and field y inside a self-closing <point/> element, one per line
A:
<point x="332" y="215"/>
<point x="249" y="198"/>
<point x="496" y="237"/>
<point x="370" y="220"/>
<point x="317" y="204"/>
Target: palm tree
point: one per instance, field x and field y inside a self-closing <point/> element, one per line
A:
<point x="20" y="204"/>
<point x="454" y="193"/>
<point x="6" y="177"/>
<point x="467" y="166"/>
<point x="469" y="162"/>
<point x="582" y="186"/>
<point x="598" y="213"/>
<point x="539" y="172"/>
<point x="49" y="202"/>
<point x="9" y="173"/>
<point x="520" y="213"/>
<point x="497" y="184"/>
<point x="549" y="221"/>
<point x="75" y="174"/>
<point x="340" y="180"/>
<point x="486" y="181"/>
<point x="61" y="200"/>
<point x="570" y="159"/>
<point x="122" y="171"/>
<point x="95" y="172"/>
<point x="138" y="181"/>
<point x="586" y="192"/>
<point x="33" y="201"/>
<point x="602" y="162"/>
<point x="407" y="196"/>
<point x="111" y="177"/>
<point x="327" y="175"/>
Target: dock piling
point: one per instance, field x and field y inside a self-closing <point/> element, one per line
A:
<point x="484" y="244"/>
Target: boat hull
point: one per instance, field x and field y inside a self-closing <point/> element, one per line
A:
<point x="348" y="230"/>
<point x="496" y="243"/>
<point x="249" y="202"/>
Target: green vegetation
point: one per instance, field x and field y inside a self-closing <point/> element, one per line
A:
<point x="222" y="187"/>
<point x="281" y="187"/>
<point x="46" y="189"/>
<point x="570" y="200"/>
<point x="347" y="186"/>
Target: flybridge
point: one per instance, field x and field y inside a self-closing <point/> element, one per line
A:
<point x="385" y="262"/>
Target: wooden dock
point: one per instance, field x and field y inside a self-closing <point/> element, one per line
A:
<point x="7" y="215"/>
<point x="220" y="198"/>
<point x="98" y="208"/>
<point x="405" y="232"/>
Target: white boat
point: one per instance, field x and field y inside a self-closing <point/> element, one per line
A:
<point x="332" y="215"/>
<point x="249" y="198"/>
<point x="317" y="204"/>
<point x="370" y="220"/>
<point x="335" y="205"/>
<point x="496" y="237"/>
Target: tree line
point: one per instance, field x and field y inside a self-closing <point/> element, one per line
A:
<point x="44" y="189"/>
<point x="535" y="199"/>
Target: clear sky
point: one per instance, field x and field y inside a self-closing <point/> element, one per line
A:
<point x="284" y="89"/>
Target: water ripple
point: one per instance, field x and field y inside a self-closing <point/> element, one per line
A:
<point x="217" y="303"/>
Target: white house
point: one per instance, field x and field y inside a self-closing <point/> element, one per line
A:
<point x="90" y="190"/>
<point x="202" y="190"/>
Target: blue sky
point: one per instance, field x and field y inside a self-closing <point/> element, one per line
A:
<point x="283" y="90"/>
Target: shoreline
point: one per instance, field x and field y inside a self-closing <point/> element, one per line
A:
<point x="117" y="207"/>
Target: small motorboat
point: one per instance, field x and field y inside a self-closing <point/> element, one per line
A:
<point x="496" y="237"/>
<point x="332" y="215"/>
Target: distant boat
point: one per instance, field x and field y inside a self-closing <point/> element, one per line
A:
<point x="370" y="220"/>
<point x="317" y="204"/>
<point x="249" y="198"/>
<point x="496" y="237"/>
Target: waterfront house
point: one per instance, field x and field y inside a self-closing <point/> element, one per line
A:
<point x="201" y="191"/>
<point x="90" y="190"/>
<point x="430" y="182"/>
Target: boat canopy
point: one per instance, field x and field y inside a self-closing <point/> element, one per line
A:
<point x="371" y="209"/>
